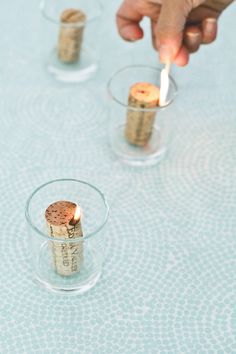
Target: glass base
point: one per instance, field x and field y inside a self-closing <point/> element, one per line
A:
<point x="80" y="71"/>
<point x="150" y="154"/>
<point x="78" y="283"/>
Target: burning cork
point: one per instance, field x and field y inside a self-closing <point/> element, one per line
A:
<point x="63" y="220"/>
<point x="139" y="123"/>
<point x="71" y="35"/>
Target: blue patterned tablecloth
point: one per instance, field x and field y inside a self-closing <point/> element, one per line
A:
<point x="169" y="280"/>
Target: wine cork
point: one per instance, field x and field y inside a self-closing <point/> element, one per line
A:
<point x="61" y="223"/>
<point x="139" y="124"/>
<point x="71" y="36"/>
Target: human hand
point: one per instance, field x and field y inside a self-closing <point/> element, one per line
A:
<point x="179" y="27"/>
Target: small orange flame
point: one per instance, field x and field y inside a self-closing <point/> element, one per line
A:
<point x="77" y="214"/>
<point x="164" y="87"/>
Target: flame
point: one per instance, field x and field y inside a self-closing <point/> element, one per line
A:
<point x="164" y="87"/>
<point x="77" y="213"/>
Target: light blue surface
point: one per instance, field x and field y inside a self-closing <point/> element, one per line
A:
<point x="169" y="280"/>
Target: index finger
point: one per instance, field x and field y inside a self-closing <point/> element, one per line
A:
<point x="127" y="19"/>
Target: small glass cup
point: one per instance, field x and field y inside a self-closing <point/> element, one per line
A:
<point x="71" y="47"/>
<point x="118" y="90"/>
<point x="94" y="209"/>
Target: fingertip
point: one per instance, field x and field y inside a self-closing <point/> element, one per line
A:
<point x="192" y="38"/>
<point x="131" y="32"/>
<point x="182" y="57"/>
<point x="209" y="29"/>
<point x="165" y="54"/>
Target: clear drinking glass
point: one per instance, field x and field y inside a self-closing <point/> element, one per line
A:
<point x="118" y="89"/>
<point x="70" y="46"/>
<point x="94" y="211"/>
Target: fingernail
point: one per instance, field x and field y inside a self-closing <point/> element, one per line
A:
<point x="193" y="34"/>
<point x="165" y="54"/>
<point x="193" y="37"/>
<point x="209" y="25"/>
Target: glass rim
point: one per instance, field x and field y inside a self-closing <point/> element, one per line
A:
<point x="60" y="239"/>
<point x="67" y="25"/>
<point x="139" y="109"/>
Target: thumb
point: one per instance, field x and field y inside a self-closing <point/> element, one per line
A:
<point x="171" y="23"/>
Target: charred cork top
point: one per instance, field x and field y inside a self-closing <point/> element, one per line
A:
<point x="61" y="213"/>
<point x="144" y="94"/>
<point x="73" y="16"/>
